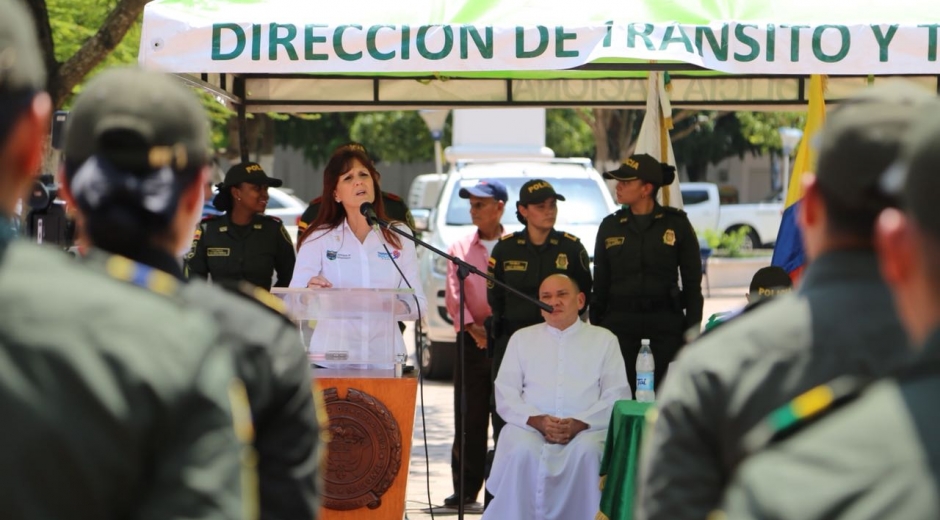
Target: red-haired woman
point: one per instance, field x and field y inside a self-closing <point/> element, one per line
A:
<point x="341" y="250"/>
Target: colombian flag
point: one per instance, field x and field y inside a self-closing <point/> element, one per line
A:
<point x="788" y="250"/>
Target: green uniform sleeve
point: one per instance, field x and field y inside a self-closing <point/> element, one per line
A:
<point x="289" y="469"/>
<point x="285" y="257"/>
<point x="690" y="270"/>
<point x="599" y="297"/>
<point x="197" y="261"/>
<point x="200" y="469"/>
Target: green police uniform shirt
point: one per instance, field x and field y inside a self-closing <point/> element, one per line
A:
<point x="877" y="457"/>
<point x="633" y="261"/>
<point x="523" y="265"/>
<point x="115" y="398"/>
<point x="253" y="253"/>
<point x="841" y="321"/>
<point x="395" y="208"/>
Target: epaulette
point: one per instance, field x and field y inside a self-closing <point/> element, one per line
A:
<point x="154" y="280"/>
<point x="571" y="237"/>
<point x="508" y="235"/>
<point x="803" y="410"/>
<point x="272" y="217"/>
<point x="259" y="296"/>
<point x="207" y="218"/>
<point x="391" y="196"/>
<point x="670" y="209"/>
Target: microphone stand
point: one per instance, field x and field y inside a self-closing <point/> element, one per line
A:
<point x="464" y="270"/>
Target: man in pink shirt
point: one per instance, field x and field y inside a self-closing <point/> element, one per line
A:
<point x="487" y="202"/>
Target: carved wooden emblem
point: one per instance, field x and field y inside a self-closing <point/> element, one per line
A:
<point x="364" y="454"/>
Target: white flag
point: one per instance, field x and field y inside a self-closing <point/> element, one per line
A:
<point x="654" y="135"/>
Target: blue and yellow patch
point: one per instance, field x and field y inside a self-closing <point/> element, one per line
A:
<point x="155" y="280"/>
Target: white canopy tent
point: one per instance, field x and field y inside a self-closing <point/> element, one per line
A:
<point x="288" y="56"/>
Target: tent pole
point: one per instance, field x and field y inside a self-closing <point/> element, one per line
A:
<point x="242" y="132"/>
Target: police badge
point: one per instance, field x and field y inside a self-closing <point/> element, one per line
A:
<point x="669" y="237"/>
<point x="562" y="261"/>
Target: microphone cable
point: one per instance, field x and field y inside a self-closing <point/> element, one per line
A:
<point x="418" y="334"/>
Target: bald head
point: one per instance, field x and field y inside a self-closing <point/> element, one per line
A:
<point x="563" y="294"/>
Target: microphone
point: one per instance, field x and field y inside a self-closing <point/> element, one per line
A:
<point x="369" y="213"/>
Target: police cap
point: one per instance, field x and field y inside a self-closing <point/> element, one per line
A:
<point x="643" y="167"/>
<point x="250" y="172"/>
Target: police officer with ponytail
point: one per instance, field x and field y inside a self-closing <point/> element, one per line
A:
<point x="136" y="161"/>
<point x="243" y="244"/>
<point x="642" y="253"/>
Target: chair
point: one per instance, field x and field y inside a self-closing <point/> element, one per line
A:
<point x="706" y="253"/>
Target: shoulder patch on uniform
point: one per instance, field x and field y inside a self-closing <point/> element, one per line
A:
<point x="141" y="275"/>
<point x="572" y="237"/>
<point x="802" y="410"/>
<point x="508" y="235"/>
<point x="391" y="196"/>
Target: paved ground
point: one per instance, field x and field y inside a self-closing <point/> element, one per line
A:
<point x="438" y="418"/>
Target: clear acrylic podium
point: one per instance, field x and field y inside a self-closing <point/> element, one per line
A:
<point x="351" y="328"/>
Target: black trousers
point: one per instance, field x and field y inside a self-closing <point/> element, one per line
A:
<point x="499" y="351"/>
<point x="479" y="390"/>
<point x="665" y="330"/>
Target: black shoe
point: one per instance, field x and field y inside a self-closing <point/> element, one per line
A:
<point x="454" y="500"/>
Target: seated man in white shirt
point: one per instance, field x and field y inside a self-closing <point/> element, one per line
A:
<point x="555" y="388"/>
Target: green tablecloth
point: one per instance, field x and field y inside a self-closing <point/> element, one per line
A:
<point x="621" y="458"/>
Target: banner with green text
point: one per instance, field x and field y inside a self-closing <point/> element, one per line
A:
<point x="282" y="37"/>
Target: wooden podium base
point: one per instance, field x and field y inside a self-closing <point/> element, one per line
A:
<point x="371" y="424"/>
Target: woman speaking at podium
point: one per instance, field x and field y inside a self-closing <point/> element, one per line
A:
<point x="341" y="250"/>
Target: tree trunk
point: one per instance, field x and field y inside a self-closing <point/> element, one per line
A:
<point x="65" y="76"/>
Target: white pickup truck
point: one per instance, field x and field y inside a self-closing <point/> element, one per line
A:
<point x="705" y="211"/>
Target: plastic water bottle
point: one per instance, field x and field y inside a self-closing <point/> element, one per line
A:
<point x="645" y="385"/>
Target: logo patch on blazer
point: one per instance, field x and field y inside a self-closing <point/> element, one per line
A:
<point x="613" y="242"/>
<point x="669" y="237"/>
<point x="218" y="251"/>
<point x="515" y="265"/>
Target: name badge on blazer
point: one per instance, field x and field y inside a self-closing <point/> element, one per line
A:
<point x="515" y="265"/>
<point x="218" y="251"/>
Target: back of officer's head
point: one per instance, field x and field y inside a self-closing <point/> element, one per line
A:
<point x="136" y="141"/>
<point x="859" y="140"/>
<point x="24" y="107"/>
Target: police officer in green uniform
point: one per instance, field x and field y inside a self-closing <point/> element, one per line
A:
<point x="395" y="207"/>
<point x="135" y="167"/>
<point x="642" y="253"/>
<point x="244" y="244"/>
<point x="115" y="399"/>
<point x="840" y="320"/>
<point x="847" y="450"/>
<point x="522" y="260"/>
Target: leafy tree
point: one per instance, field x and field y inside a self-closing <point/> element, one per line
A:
<point x="567" y="133"/>
<point x="78" y="36"/>
<point x="760" y="128"/>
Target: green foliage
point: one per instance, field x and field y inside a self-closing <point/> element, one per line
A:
<point x="74" y="21"/>
<point x="716" y="138"/>
<point x="761" y="128"/>
<point x="567" y="133"/>
<point x="316" y="134"/>
<point x="394" y="136"/>
<point x="727" y="244"/>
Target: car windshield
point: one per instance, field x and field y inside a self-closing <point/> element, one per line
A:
<point x="584" y="201"/>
